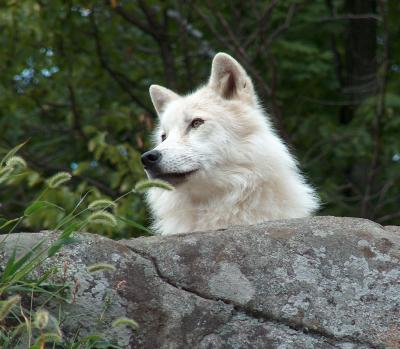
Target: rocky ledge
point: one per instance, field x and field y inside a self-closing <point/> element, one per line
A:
<point x="322" y="282"/>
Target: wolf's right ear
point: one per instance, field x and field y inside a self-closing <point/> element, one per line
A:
<point x="229" y="79"/>
<point x="161" y="97"/>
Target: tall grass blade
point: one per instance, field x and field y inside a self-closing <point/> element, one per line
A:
<point x="135" y="225"/>
<point x="11" y="153"/>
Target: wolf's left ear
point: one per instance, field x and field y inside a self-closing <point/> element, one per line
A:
<point x="229" y="79"/>
<point x="161" y="97"/>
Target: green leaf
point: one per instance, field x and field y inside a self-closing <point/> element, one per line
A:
<point x="9" y="265"/>
<point x="13" y="266"/>
<point x="58" y="244"/>
<point x="12" y="152"/>
<point x="46" y="275"/>
<point x="135" y="225"/>
<point x="7" y="223"/>
<point x="69" y="230"/>
<point x="37" y="205"/>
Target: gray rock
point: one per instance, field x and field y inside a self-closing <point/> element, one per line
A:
<point x="321" y="282"/>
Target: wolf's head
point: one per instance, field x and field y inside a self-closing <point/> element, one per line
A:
<point x="208" y="134"/>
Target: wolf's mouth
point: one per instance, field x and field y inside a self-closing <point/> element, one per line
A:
<point x="173" y="178"/>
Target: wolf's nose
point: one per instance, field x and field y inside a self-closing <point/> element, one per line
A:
<point x="150" y="158"/>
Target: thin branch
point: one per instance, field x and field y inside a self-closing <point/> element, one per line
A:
<point x="151" y="18"/>
<point x="184" y="34"/>
<point x="388" y="217"/>
<point x="119" y="78"/>
<point x="336" y="54"/>
<point x="349" y="17"/>
<point x="131" y="18"/>
<point x="76" y="115"/>
<point x="379" y="115"/>
<point x="233" y="44"/>
<point x="231" y="35"/>
<point x="382" y="194"/>
<point x="159" y="31"/>
<point x="261" y="25"/>
<point x="215" y="32"/>
<point x="281" y="29"/>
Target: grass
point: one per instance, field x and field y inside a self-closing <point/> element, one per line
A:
<point x="20" y="321"/>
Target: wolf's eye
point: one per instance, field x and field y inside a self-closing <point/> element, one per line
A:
<point x="163" y="137"/>
<point x="196" y="123"/>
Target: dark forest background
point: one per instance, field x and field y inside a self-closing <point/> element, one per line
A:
<point x="74" y="78"/>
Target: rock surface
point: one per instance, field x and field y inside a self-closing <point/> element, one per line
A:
<point x="321" y="282"/>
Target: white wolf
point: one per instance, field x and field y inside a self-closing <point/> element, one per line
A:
<point x="219" y="150"/>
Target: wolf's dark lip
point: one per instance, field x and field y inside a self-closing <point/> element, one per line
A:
<point x="173" y="177"/>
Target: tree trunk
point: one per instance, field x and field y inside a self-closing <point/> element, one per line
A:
<point x="360" y="62"/>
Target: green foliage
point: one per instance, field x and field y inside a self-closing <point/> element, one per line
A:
<point x="75" y="80"/>
<point x="74" y="95"/>
<point x="20" y="283"/>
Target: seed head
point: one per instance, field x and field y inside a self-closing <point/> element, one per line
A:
<point x="125" y="321"/>
<point x="41" y="319"/>
<point x="58" y="179"/>
<point x="101" y="204"/>
<point x="102" y="217"/>
<point x="143" y="185"/>
<point x="6" y="306"/>
<point x="5" y="173"/>
<point x="16" y="162"/>
<point x="100" y="267"/>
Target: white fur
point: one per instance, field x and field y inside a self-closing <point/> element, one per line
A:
<point x="245" y="174"/>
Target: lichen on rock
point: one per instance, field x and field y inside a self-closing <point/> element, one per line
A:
<point x="321" y="282"/>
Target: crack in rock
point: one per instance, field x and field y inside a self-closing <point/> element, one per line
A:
<point x="256" y="314"/>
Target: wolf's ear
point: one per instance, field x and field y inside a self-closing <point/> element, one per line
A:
<point x="229" y="79"/>
<point x="161" y="96"/>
